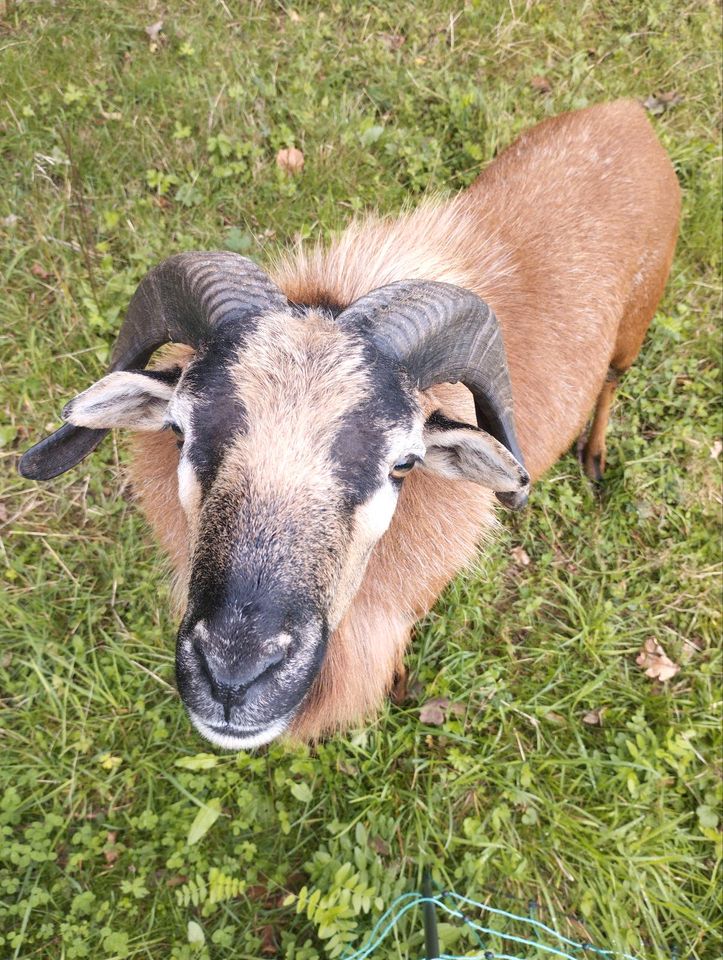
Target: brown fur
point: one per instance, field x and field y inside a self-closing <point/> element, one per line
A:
<point x="569" y="235"/>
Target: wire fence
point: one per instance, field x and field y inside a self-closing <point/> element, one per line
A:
<point x="455" y="905"/>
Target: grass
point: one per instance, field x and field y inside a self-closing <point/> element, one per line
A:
<point x="116" y="152"/>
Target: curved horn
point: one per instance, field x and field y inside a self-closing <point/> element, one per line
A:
<point x="441" y="333"/>
<point x="182" y="300"/>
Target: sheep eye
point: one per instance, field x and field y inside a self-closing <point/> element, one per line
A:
<point x="178" y="432"/>
<point x="401" y="469"/>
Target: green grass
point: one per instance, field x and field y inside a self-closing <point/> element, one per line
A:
<point x="115" y="155"/>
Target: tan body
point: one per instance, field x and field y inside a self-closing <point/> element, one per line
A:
<point x="569" y="236"/>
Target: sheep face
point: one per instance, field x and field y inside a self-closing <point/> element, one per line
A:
<point x="287" y="492"/>
<point x="294" y="440"/>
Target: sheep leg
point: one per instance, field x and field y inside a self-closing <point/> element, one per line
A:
<point x="400" y="685"/>
<point x="593" y="453"/>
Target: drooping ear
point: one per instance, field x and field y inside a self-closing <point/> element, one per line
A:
<point x="463" y="452"/>
<point x="124" y="399"/>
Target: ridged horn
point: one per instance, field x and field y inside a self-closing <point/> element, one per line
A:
<point x="441" y="333"/>
<point x="185" y="299"/>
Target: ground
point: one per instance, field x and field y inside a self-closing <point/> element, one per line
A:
<point x="567" y="777"/>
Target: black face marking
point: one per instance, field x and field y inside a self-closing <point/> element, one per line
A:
<point x="163" y="376"/>
<point x="217" y="415"/>
<point x="360" y="443"/>
<point x="438" y="421"/>
<point x="321" y="301"/>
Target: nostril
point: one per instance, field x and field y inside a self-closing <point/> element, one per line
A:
<point x="230" y="678"/>
<point x="202" y="662"/>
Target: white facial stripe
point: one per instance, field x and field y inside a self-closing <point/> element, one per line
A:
<point x="189" y="489"/>
<point x="240" y="739"/>
<point x="372" y="518"/>
<point x="179" y="411"/>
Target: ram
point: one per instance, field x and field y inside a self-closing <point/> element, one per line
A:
<point x="323" y="448"/>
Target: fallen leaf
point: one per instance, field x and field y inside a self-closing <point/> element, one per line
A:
<point x="541" y="84"/>
<point x="154" y="30"/>
<point x="38" y="270"/>
<point x="110" y="853"/>
<point x="290" y="160"/>
<point x="658" y="103"/>
<point x="520" y="556"/>
<point x="176" y="881"/>
<point x="594" y="718"/>
<point x="392" y="41"/>
<point x="269" y="947"/>
<point x="555" y="717"/>
<point x="257" y="891"/>
<point x="653" y="660"/>
<point x="294" y="16"/>
<point x="434" y="711"/>
<point x="154" y="35"/>
<point x="380" y="847"/>
<point x="715" y="450"/>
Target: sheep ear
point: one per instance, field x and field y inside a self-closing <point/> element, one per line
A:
<point x="124" y="399"/>
<point x="461" y="451"/>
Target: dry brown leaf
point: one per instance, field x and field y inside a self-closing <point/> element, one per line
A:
<point x="555" y="717"/>
<point x="154" y="30"/>
<point x="594" y="718"/>
<point x="269" y="947"/>
<point x="541" y="84"/>
<point x="380" y="847"/>
<point x="257" y="891"/>
<point x="392" y="41"/>
<point x="434" y="711"/>
<point x="715" y="450"/>
<point x="290" y="160"/>
<point x="177" y="880"/>
<point x="520" y="556"/>
<point x="39" y="271"/>
<point x="110" y="854"/>
<point x="653" y="660"/>
<point x="154" y="35"/>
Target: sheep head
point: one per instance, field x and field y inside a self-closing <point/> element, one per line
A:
<point x="296" y="427"/>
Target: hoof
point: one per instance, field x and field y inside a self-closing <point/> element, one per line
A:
<point x="400" y="687"/>
<point x="594" y="466"/>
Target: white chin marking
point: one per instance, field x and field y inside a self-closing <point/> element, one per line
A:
<point x="240" y="740"/>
